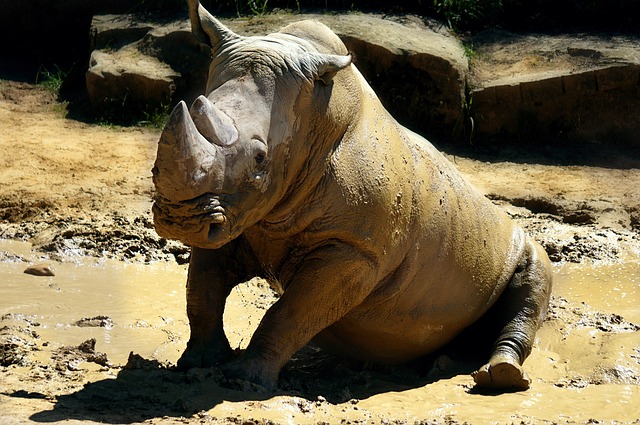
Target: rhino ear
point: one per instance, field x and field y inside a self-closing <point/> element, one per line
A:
<point x="207" y="29"/>
<point x="329" y="65"/>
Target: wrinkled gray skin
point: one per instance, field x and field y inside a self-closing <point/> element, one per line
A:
<point x="289" y="168"/>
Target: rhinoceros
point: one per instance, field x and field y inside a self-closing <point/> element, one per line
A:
<point x="288" y="167"/>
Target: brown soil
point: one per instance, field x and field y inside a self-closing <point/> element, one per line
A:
<point x="79" y="192"/>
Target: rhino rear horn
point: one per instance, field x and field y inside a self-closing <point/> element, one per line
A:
<point x="212" y="123"/>
<point x="207" y="29"/>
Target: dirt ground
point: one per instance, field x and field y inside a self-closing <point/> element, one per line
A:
<point x="77" y="198"/>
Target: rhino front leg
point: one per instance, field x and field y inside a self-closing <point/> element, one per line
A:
<point x="518" y="313"/>
<point x="321" y="290"/>
<point x="212" y="275"/>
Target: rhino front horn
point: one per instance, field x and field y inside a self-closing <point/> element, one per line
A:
<point x="186" y="160"/>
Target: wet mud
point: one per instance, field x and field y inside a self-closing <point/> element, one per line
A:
<point x="97" y="341"/>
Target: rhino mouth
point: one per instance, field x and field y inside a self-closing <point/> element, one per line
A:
<point x="198" y="221"/>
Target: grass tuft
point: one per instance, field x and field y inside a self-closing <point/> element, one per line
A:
<point x="51" y="80"/>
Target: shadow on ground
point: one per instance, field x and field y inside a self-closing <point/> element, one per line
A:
<point x="145" y="389"/>
<point x="620" y="156"/>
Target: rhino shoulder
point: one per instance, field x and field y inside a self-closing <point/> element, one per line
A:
<point x="318" y="34"/>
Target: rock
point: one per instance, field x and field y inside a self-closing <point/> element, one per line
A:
<point x="136" y="361"/>
<point x="111" y="32"/>
<point x="42" y="269"/>
<point x="143" y="66"/>
<point x="556" y="89"/>
<point x="70" y="357"/>
<point x="129" y="76"/>
<point x="13" y="350"/>
<point x="523" y="89"/>
<point x="597" y="106"/>
<point x="418" y="73"/>
<point x="95" y="322"/>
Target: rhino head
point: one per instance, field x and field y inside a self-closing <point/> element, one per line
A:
<point x="231" y="159"/>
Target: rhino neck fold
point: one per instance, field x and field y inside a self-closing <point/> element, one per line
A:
<point x="298" y="203"/>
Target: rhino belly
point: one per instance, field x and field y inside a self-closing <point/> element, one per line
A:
<point x="411" y="315"/>
<point x="394" y="339"/>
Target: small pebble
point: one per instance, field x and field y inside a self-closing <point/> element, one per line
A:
<point x="41" y="269"/>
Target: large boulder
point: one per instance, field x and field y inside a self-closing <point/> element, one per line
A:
<point x="128" y="78"/>
<point x="137" y="65"/>
<point x="555" y="89"/>
<point x="418" y="73"/>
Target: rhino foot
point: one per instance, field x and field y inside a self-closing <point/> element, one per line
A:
<point x="202" y="356"/>
<point x="501" y="374"/>
<point x="250" y="375"/>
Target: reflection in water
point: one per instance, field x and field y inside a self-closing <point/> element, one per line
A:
<point x="585" y="364"/>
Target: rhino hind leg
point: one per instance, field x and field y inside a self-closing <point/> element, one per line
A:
<point x="503" y="373"/>
<point x="517" y="316"/>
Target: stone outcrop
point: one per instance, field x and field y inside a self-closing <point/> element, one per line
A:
<point x="418" y="73"/>
<point x="595" y="106"/>
<point x="555" y="89"/>
<point x="140" y="65"/>
<point x="515" y="89"/>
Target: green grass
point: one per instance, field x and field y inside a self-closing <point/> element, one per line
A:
<point x="460" y="14"/>
<point x="155" y="118"/>
<point x="469" y="50"/>
<point x="258" y="7"/>
<point x="122" y="112"/>
<point x="51" y="80"/>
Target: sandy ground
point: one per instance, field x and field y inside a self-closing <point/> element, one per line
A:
<point x="80" y="196"/>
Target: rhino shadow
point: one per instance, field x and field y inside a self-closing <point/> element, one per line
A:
<point x="138" y="395"/>
<point x="145" y="393"/>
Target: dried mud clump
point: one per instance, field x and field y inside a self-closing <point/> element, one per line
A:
<point x="110" y="236"/>
<point x="13" y="350"/>
<point x="579" y="248"/>
<point x="580" y="316"/>
<point x="69" y="358"/>
<point x="95" y="322"/>
<point x="17" y="339"/>
<point x="571" y="231"/>
<point x="137" y="362"/>
<point x="15" y="211"/>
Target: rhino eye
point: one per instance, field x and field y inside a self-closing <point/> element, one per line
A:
<point x="260" y="157"/>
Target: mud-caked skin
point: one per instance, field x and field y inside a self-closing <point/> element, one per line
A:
<point x="289" y="168"/>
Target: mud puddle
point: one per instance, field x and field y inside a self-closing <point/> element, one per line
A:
<point x="585" y="366"/>
<point x="125" y="307"/>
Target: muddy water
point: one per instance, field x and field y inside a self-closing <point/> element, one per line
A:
<point x="143" y="304"/>
<point x="611" y="288"/>
<point x="585" y="364"/>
